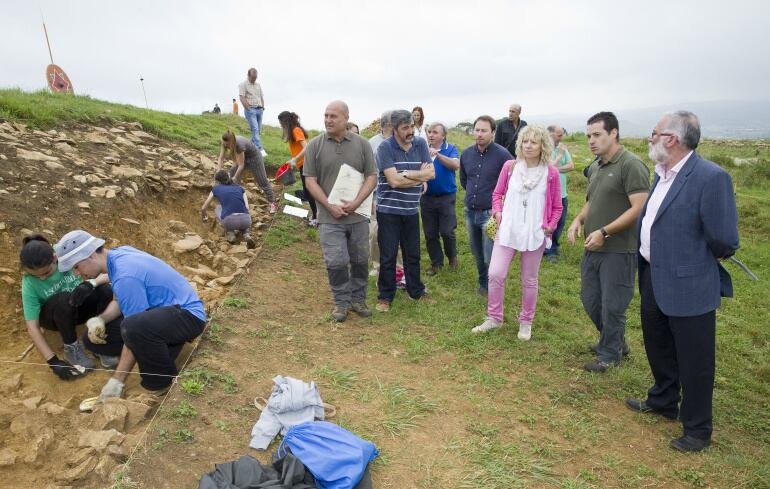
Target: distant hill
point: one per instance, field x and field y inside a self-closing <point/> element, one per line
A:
<point x="722" y="119"/>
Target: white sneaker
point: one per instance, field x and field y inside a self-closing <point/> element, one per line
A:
<point x="264" y="153"/>
<point x="525" y="332"/>
<point x="487" y="325"/>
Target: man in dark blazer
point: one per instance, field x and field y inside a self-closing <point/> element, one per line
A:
<point x="688" y="224"/>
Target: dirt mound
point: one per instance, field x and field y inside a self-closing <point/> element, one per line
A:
<point x="126" y="185"/>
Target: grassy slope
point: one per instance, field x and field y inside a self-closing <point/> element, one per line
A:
<point x="562" y="402"/>
<point x="43" y="110"/>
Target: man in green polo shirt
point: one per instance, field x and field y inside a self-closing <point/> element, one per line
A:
<point x="618" y="185"/>
<point x="344" y="234"/>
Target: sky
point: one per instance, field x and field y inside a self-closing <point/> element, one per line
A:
<point x="456" y="59"/>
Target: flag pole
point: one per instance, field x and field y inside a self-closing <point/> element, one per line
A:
<point x="47" y="42"/>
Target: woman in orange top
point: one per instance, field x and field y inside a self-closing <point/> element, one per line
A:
<point x="296" y="136"/>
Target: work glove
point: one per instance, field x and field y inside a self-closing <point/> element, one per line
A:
<point x="63" y="368"/>
<point x="113" y="388"/>
<point x="97" y="331"/>
<point x="80" y="293"/>
<point x="293" y="163"/>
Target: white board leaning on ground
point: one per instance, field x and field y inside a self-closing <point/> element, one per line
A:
<point x="346" y="187"/>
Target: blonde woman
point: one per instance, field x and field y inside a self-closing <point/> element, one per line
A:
<point x="244" y="154"/>
<point x="526" y="204"/>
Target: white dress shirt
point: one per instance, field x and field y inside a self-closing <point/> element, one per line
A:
<point x="656" y="199"/>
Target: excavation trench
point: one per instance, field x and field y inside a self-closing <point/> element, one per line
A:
<point x="131" y="188"/>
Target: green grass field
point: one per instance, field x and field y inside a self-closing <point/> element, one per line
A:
<point x="569" y="425"/>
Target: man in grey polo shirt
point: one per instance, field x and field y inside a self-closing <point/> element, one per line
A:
<point x="344" y="234"/>
<point x="618" y="183"/>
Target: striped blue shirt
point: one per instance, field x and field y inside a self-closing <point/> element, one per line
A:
<point x="402" y="201"/>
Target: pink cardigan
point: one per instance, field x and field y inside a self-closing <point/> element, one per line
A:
<point x="553" y="205"/>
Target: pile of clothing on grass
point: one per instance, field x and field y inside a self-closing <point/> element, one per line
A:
<point x="313" y="453"/>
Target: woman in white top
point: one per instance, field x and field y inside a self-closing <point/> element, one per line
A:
<point x="419" y="123"/>
<point x="526" y="205"/>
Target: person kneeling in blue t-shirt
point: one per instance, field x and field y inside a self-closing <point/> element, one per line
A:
<point x="233" y="208"/>
<point x="161" y="310"/>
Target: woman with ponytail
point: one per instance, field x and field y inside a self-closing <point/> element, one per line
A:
<point x="59" y="301"/>
<point x="244" y="154"/>
<point x="296" y="136"/>
<point x="233" y="209"/>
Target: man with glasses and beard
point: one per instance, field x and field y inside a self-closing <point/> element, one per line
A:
<point x="688" y="224"/>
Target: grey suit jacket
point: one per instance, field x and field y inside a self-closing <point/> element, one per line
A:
<point x="696" y="225"/>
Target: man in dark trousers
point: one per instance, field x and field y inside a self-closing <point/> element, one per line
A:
<point x="688" y="224"/>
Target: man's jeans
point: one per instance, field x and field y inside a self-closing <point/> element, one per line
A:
<point x="254" y="118"/>
<point x="607" y="287"/>
<point x="392" y="230"/>
<point x="346" y="254"/>
<point x="481" y="245"/>
<point x="554" y="249"/>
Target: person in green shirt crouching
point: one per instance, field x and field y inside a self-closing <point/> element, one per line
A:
<point x="59" y="301"/>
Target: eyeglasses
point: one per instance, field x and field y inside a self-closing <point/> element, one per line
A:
<point x="652" y="136"/>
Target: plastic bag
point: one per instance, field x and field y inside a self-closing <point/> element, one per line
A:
<point x="336" y="457"/>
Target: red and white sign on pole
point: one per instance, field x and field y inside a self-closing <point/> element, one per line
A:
<point x="58" y="81"/>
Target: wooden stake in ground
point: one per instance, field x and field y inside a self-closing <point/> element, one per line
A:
<point x="25" y="352"/>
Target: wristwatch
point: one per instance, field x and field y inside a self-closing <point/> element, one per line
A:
<point x="605" y="234"/>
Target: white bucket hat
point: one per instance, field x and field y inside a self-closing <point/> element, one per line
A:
<point x="75" y="247"/>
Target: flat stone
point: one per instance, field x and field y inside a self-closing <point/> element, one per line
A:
<point x="34" y="155"/>
<point x="52" y="408"/>
<point x="52" y="165"/>
<point x="109" y="416"/>
<point x="105" y="466"/>
<point x="8" y="457"/>
<point x="191" y="162"/>
<point x="129" y="220"/>
<point x="129" y="192"/>
<point x="189" y="243"/>
<point x="207" y="163"/>
<point x="8" y="280"/>
<point x="10" y="384"/>
<point x="224" y="280"/>
<point x="84" y="205"/>
<point x="125" y="171"/>
<point x="205" y="252"/>
<point x="177" y="226"/>
<point x="238" y="249"/>
<point x="99" y="439"/>
<point x="32" y="402"/>
<point x="64" y="148"/>
<point x="40" y="444"/>
<point x="139" y="409"/>
<point x="96" y="139"/>
<point x="28" y="423"/>
<point x="78" y="472"/>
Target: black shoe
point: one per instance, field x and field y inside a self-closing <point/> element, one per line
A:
<point x="626" y="349"/>
<point x="483" y="291"/>
<point x="598" y="366"/>
<point x="433" y="270"/>
<point x="689" y="443"/>
<point x="453" y="264"/>
<point x="640" y="406"/>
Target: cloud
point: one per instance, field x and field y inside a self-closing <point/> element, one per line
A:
<point x="457" y="59"/>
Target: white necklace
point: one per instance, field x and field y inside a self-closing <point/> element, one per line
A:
<point x="527" y="184"/>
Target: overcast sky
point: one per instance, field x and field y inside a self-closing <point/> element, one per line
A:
<point x="456" y="59"/>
